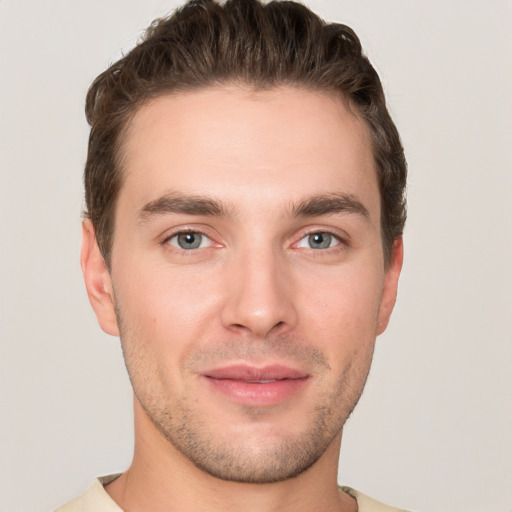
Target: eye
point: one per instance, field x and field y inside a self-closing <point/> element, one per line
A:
<point x="189" y="240"/>
<point x="319" y="240"/>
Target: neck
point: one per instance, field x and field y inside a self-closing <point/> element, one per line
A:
<point x="161" y="479"/>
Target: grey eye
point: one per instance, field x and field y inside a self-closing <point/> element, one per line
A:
<point x="320" y="240"/>
<point x="188" y="241"/>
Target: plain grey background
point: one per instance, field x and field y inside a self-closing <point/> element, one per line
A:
<point x="433" y="431"/>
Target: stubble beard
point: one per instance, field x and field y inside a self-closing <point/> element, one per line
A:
<point x="259" y="459"/>
<point x="238" y="461"/>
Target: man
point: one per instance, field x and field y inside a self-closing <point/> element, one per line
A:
<point x="245" y="206"/>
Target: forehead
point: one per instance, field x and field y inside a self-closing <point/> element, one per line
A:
<point x="247" y="146"/>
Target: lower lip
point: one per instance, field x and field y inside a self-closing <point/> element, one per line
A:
<point x="256" y="393"/>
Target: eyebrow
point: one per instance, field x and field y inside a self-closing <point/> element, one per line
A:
<point x="325" y="204"/>
<point x="184" y="204"/>
<point x="330" y="204"/>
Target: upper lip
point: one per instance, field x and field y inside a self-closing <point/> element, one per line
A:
<point x="246" y="372"/>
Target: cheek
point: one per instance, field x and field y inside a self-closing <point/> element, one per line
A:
<point x="164" y="308"/>
<point x="345" y="310"/>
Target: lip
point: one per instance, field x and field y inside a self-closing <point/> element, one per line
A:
<point x="257" y="386"/>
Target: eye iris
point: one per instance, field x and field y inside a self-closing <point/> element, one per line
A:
<point x="320" y="240"/>
<point x="189" y="240"/>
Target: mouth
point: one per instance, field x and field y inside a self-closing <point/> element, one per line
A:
<point x="257" y="386"/>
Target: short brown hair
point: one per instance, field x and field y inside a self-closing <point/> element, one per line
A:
<point x="245" y="41"/>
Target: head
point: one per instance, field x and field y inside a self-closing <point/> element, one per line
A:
<point x="244" y="190"/>
<point x="245" y="42"/>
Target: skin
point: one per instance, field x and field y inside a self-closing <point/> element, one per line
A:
<point x="275" y="172"/>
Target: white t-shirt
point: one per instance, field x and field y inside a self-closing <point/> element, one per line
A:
<point x="96" y="499"/>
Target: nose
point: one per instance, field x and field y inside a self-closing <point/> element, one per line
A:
<point x="259" y="296"/>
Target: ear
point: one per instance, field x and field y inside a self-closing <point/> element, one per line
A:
<point x="97" y="280"/>
<point x="389" y="291"/>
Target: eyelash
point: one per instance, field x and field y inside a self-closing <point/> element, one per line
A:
<point x="166" y="240"/>
<point x="342" y="241"/>
<point x="341" y="245"/>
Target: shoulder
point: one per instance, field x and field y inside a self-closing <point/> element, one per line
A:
<point x="93" y="499"/>
<point x="367" y="504"/>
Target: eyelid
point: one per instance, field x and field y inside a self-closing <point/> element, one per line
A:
<point x="205" y="241"/>
<point x="304" y="242"/>
<point x="341" y="236"/>
<point x="188" y="229"/>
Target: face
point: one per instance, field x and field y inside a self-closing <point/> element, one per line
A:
<point x="247" y="280"/>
